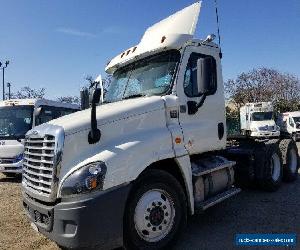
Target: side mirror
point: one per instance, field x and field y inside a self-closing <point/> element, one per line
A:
<point x="95" y="134"/>
<point x="206" y="84"/>
<point x="205" y="73"/>
<point x="37" y="111"/>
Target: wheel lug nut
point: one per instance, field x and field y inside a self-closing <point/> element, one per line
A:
<point x="147" y="217"/>
<point x="148" y="225"/>
<point x="159" y="203"/>
<point x="164" y="207"/>
<point x="153" y="204"/>
<point x="153" y="228"/>
<point x="165" y="222"/>
<point x="166" y="214"/>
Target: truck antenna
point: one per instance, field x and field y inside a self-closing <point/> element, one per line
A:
<point x="218" y="25"/>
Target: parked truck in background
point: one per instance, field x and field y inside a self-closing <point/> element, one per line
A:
<point x="257" y="120"/>
<point x="289" y="123"/>
<point x="128" y="172"/>
<point x="17" y="116"/>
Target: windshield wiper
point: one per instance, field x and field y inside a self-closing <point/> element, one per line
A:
<point x="133" y="96"/>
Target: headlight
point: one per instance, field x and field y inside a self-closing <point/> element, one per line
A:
<point x="84" y="180"/>
<point x="18" y="158"/>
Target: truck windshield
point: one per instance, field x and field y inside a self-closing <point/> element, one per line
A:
<point x="262" y="116"/>
<point x="15" y="121"/>
<point x="149" y="76"/>
<point x="296" y="119"/>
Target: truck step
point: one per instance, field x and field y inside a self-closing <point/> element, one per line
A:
<point x="210" y="164"/>
<point x="203" y="205"/>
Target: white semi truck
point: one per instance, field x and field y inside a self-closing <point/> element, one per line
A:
<point x="129" y="172"/>
<point x="257" y="120"/>
<point x="289" y="123"/>
<point x="17" y="116"/>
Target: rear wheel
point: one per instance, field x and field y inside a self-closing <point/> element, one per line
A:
<point x="272" y="168"/>
<point x="289" y="153"/>
<point x="156" y="212"/>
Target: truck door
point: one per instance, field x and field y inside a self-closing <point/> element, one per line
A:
<point x="203" y="130"/>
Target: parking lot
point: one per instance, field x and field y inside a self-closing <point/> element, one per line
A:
<point x="252" y="211"/>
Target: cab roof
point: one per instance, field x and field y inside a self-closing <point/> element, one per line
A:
<point x="174" y="32"/>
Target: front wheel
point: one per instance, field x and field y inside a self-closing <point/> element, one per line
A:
<point x="156" y="212"/>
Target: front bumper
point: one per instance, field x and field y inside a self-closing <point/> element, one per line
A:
<point x="93" y="220"/>
<point x="12" y="167"/>
<point x="265" y="134"/>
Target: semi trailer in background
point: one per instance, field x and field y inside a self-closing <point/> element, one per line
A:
<point x="17" y="117"/>
<point x="257" y="120"/>
<point x="289" y="123"/>
<point x="130" y="171"/>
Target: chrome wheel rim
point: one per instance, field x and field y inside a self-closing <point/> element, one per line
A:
<point x="154" y="215"/>
<point x="275" y="167"/>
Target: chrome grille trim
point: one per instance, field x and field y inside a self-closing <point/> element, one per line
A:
<point x="42" y="157"/>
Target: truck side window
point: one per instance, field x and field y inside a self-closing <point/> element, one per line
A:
<point x="190" y="76"/>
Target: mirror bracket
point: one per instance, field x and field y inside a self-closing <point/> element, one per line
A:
<point x="193" y="106"/>
<point x="94" y="134"/>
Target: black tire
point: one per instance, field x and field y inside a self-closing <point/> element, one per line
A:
<point x="289" y="152"/>
<point x="271" y="182"/>
<point x="150" y="181"/>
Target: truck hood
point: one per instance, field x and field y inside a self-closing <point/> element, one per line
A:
<point x="10" y="148"/>
<point x="108" y="113"/>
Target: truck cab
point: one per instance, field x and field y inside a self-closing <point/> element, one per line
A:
<point x="289" y="122"/>
<point x="128" y="172"/>
<point x="257" y="120"/>
<point x="17" y="117"/>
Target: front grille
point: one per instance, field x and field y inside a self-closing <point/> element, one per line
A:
<point x="267" y="128"/>
<point x="38" y="164"/>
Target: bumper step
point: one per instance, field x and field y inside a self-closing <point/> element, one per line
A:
<point x="203" y="205"/>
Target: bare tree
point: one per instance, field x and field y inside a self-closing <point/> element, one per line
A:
<point x="69" y="99"/>
<point x="29" y="93"/>
<point x="265" y="84"/>
<point x="106" y="81"/>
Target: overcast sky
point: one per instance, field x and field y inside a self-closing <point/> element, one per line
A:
<point x="55" y="44"/>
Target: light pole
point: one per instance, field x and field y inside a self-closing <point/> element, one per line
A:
<point x="3" y="67"/>
<point x="8" y="85"/>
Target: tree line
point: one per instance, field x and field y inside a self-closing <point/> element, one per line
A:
<point x="264" y="85"/>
